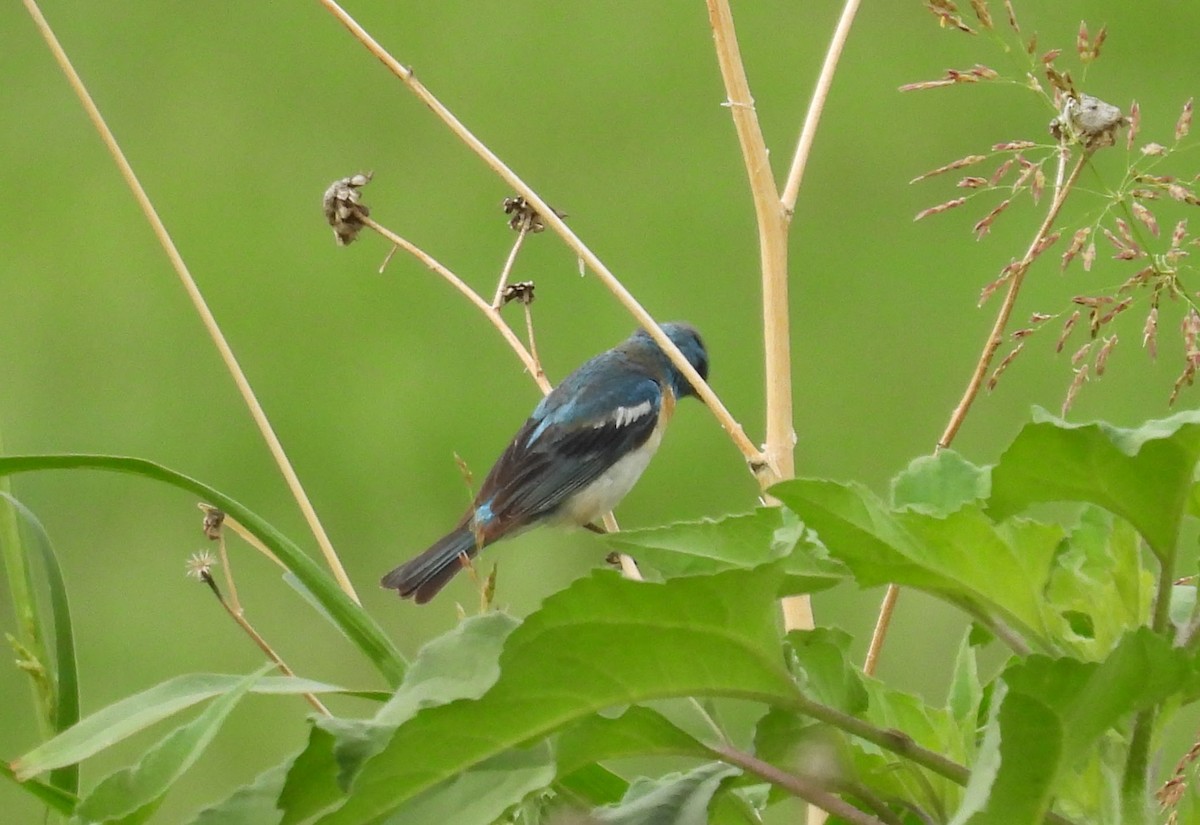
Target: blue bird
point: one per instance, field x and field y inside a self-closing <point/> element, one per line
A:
<point x="580" y="452"/>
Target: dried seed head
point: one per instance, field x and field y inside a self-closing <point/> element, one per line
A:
<point x="213" y="520"/>
<point x="1013" y="146"/>
<point x="1081" y="377"/>
<point x="1135" y="123"/>
<point x="1150" y="333"/>
<point x="1114" y="312"/>
<point x="1031" y="46"/>
<point x="985" y="224"/>
<point x="1003" y="365"/>
<point x="1140" y="277"/>
<point x="1039" y="184"/>
<point x="1089" y="256"/>
<point x="1044" y="244"/>
<point x="972" y="182"/>
<point x="1126" y="233"/>
<point x="1039" y="317"/>
<point x="981" y="12"/>
<point x="1184" y="124"/>
<point x="200" y="564"/>
<point x="1050" y="56"/>
<point x="1185" y="379"/>
<point x="1102" y="356"/>
<point x="1180" y="233"/>
<point x="941" y="207"/>
<point x="524" y="216"/>
<point x="1101" y="36"/>
<point x="1066" y="331"/>
<point x="1012" y="16"/>
<point x="1146" y="217"/>
<point x="1001" y="171"/>
<point x="1076" y="244"/>
<point x="521" y="291"/>
<point x="1080" y="354"/>
<point x="969" y="160"/>
<point x="946" y="13"/>
<point x="1082" y="41"/>
<point x="343" y="209"/>
<point x="1154" y="150"/>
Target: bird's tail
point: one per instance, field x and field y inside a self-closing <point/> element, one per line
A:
<point x="421" y="578"/>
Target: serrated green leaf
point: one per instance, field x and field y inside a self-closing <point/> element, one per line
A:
<point x="657" y="641"/>
<point x="122" y="719"/>
<point x="479" y="796"/>
<point x="709" y="546"/>
<point x="939" y="484"/>
<point x="131" y="795"/>
<point x="348" y="617"/>
<point x="1143" y="475"/>
<point x="819" y="660"/>
<point x="253" y="804"/>
<point x="638" y="731"/>
<point x="678" y="799"/>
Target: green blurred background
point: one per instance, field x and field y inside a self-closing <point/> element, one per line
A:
<point x="237" y="116"/>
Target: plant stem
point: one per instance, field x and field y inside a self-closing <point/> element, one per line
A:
<point x="994" y="339"/>
<point x="754" y="457"/>
<point x="791" y="188"/>
<point x="497" y="301"/>
<point x="197" y="299"/>
<point x="807" y="789"/>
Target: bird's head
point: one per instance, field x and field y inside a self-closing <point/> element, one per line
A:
<point x="688" y="340"/>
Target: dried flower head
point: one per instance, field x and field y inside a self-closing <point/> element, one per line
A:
<point x="343" y="210"/>
<point x="521" y="291"/>
<point x="213" y="520"/>
<point x="524" y="216"/>
<point x="200" y="565"/>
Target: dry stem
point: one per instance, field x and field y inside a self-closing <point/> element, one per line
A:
<point x="197" y="299"/>
<point x="753" y="455"/>
<point x="995" y="338"/>
<point x="498" y="301"/>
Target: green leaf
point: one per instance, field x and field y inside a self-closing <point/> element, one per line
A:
<point x="678" y="799"/>
<point x="122" y="719"/>
<point x="66" y="673"/>
<point x="591" y="786"/>
<point x="820" y="663"/>
<point x="479" y="796"/>
<point x="347" y="616"/>
<point x="131" y="795"/>
<point x="638" y="731"/>
<point x="1143" y="475"/>
<point x="966" y="691"/>
<point x="940" y="484"/>
<point x="728" y="618"/>
<point x="54" y="798"/>
<point x="697" y="548"/>
<point x="990" y="570"/>
<point x="253" y="804"/>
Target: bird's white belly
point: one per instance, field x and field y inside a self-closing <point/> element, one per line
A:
<point x="603" y="494"/>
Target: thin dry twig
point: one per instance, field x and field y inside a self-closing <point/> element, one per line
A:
<point x="502" y="283"/>
<point x="198" y="303"/>
<point x="754" y="457"/>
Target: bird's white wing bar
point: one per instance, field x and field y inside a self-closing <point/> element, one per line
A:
<point x="622" y="416"/>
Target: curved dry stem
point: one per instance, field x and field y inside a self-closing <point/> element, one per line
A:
<point x="198" y="303"/>
<point x="498" y="301"/>
<point x="791" y="188"/>
<point x="551" y="219"/>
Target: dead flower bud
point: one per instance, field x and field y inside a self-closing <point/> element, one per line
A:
<point x="1102" y="356"/>
<point x="1135" y="123"/>
<point x="1066" y="330"/>
<point x="342" y="208"/>
<point x="1050" y="56"/>
<point x="969" y="160"/>
<point x="1076" y="245"/>
<point x="1146" y="217"/>
<point x="1039" y="317"/>
<point x="213" y="519"/>
<point x="525" y="216"/>
<point x="1184" y="124"/>
<point x="1001" y="171"/>
<point x="200" y="565"/>
<point x="981" y="11"/>
<point x="521" y="291"/>
<point x="985" y="224"/>
<point x="1081" y="377"/>
<point x="1003" y="365"/>
<point x="1154" y="150"/>
<point x="1150" y="333"/>
<point x="941" y="207"/>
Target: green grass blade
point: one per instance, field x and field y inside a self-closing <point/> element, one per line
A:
<point x="66" y="672"/>
<point x="55" y="798"/>
<point x="349" y="617"/>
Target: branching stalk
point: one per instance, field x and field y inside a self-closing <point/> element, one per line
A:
<point x="198" y="303"/>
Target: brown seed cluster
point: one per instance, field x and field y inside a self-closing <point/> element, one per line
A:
<point x="343" y="208"/>
<point x="524" y="216"/>
<point x="521" y="291"/>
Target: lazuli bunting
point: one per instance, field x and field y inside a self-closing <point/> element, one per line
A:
<point x="580" y="452"/>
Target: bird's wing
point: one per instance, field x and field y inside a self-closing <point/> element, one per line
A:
<point x="569" y="447"/>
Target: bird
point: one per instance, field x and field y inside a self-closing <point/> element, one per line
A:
<point x="581" y="450"/>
